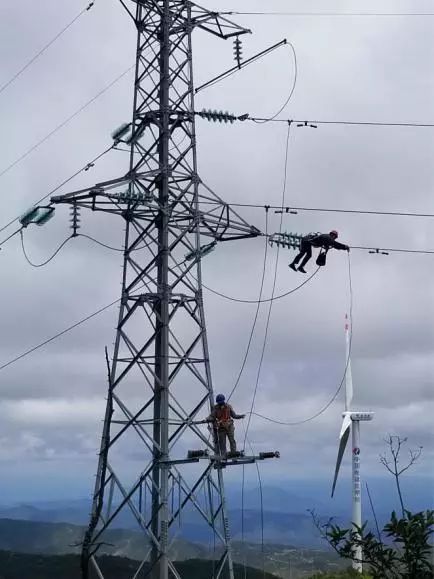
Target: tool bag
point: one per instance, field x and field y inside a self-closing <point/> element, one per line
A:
<point x="321" y="259"/>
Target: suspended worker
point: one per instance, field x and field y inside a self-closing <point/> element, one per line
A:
<point x="222" y="418"/>
<point x="322" y="240"/>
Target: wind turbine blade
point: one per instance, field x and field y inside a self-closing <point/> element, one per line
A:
<point x="346" y="423"/>
<point x="344" y="435"/>
<point x="348" y="374"/>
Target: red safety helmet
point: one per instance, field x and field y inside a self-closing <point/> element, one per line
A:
<point x="334" y="233"/>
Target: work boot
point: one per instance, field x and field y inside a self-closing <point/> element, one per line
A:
<point x="301" y="268"/>
<point x="292" y="266"/>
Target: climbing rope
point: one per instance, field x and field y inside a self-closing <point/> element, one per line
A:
<point x="255" y="319"/>
<point x="261" y="496"/>
<point x="270" y="307"/>
<point x="335" y="395"/>
<point x="259" y="372"/>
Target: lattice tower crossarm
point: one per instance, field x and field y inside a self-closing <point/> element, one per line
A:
<point x="160" y="379"/>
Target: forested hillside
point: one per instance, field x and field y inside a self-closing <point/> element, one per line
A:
<point x="22" y="566"/>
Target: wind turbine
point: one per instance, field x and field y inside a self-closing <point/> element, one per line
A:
<point x="351" y="421"/>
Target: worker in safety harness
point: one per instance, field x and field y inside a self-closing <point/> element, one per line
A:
<point x="323" y="240"/>
<point x="221" y="417"/>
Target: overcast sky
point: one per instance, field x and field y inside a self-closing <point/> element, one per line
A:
<point x="376" y="69"/>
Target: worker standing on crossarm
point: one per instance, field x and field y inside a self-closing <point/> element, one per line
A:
<point x="323" y="240"/>
<point x="222" y="418"/>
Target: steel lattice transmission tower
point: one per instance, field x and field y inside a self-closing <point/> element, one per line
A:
<point x="160" y="380"/>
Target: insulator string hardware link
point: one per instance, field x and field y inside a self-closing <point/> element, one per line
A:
<point x="265" y="455"/>
<point x="288" y="240"/>
<point x="118" y="134"/>
<point x="75" y="219"/>
<point x="238" y="51"/>
<point x="128" y="133"/>
<point x="129" y="196"/>
<point x="38" y="215"/>
<point x="221" y="116"/>
<point x="306" y="124"/>
<point x="137" y="197"/>
<point x="287" y="210"/>
<point x="379" y="252"/>
<point x="201" y="252"/>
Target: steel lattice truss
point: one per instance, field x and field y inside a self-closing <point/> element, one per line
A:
<point x="160" y="380"/>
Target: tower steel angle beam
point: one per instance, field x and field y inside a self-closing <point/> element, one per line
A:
<point x="160" y="379"/>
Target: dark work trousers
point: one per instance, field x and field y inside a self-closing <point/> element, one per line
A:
<point x="306" y="251"/>
<point x="220" y="435"/>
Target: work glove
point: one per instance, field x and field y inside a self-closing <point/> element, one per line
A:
<point x="348" y="248"/>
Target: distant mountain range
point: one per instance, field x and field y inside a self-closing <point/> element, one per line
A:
<point x="64" y="538"/>
<point x="290" y="496"/>
<point x="281" y="524"/>
<point x="286" y="520"/>
<point x="279" y="527"/>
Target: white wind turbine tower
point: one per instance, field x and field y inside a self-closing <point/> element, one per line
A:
<point x="351" y="421"/>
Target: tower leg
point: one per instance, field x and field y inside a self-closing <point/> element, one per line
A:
<point x="161" y="385"/>
<point x="230" y="565"/>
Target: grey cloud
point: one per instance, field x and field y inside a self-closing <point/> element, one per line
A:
<point x="358" y="69"/>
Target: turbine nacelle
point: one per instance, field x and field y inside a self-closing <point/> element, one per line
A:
<point x="348" y="418"/>
<point x="359" y="416"/>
